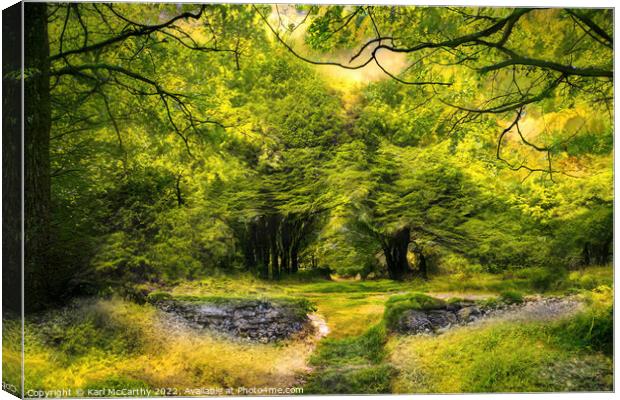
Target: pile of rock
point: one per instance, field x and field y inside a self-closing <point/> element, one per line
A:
<point x="256" y="320"/>
<point x="440" y="318"/>
<point x="447" y="315"/>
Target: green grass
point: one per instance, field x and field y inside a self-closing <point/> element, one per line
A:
<point x="590" y="278"/>
<point x="349" y="314"/>
<point x="351" y="365"/>
<point x="12" y="355"/>
<point x="593" y="328"/>
<point x="99" y="342"/>
<point x="499" y="358"/>
<point x="92" y="343"/>
<point x="570" y="354"/>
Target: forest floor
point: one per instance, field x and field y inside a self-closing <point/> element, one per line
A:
<point x="542" y="346"/>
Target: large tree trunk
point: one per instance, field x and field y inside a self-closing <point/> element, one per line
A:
<point x="37" y="184"/>
<point x="395" y="251"/>
<point x="11" y="160"/>
<point x="273" y="242"/>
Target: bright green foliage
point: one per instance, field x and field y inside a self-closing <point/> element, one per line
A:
<point x="257" y="161"/>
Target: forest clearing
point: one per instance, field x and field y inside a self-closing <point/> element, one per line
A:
<point x="310" y="199"/>
<point x="111" y="343"/>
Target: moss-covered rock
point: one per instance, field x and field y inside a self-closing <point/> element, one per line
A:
<point x="399" y="306"/>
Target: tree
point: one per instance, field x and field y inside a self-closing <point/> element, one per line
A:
<point x="94" y="62"/>
<point x="478" y="61"/>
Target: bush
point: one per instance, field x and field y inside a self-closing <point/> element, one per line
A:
<point x="84" y="327"/>
<point x="511" y="297"/>
<point x="544" y="279"/>
<point x="396" y="305"/>
<point x="591" y="277"/>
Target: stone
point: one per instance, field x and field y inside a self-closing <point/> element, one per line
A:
<point x="415" y="321"/>
<point x="212" y="311"/>
<point x="468" y="314"/>
<point x="254" y="320"/>
<point x="442" y="318"/>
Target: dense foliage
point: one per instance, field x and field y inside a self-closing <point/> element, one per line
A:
<point x="189" y="141"/>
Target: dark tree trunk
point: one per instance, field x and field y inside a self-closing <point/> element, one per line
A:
<point x="262" y="248"/>
<point x="285" y="245"/>
<point x="11" y="160"/>
<point x="37" y="185"/>
<point x="421" y="264"/>
<point x="179" y="194"/>
<point x="272" y="243"/>
<point x="273" y="246"/>
<point x="294" y="259"/>
<point x="395" y="250"/>
<point x="586" y="254"/>
<point x="248" y="243"/>
<point x="607" y="250"/>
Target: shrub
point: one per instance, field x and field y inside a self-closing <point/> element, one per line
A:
<point x="511" y="297"/>
<point x="544" y="279"/>
<point x="588" y="282"/>
<point x="396" y="305"/>
<point x="591" y="277"/>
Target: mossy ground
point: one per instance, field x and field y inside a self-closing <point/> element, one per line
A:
<point x="98" y="342"/>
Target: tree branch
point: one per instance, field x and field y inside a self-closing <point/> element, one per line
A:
<point x="142" y="30"/>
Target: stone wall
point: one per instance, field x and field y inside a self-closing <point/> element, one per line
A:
<point x="256" y="320"/>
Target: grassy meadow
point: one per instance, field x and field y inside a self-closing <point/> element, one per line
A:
<point x="114" y="343"/>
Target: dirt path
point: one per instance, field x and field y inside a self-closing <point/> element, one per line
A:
<point x="320" y="325"/>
